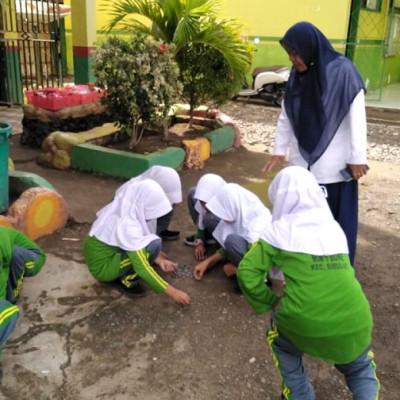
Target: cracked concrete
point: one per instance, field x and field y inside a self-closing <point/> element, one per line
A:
<point x="78" y="339"/>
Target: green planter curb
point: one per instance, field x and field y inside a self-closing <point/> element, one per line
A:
<point x="221" y="139"/>
<point x="89" y="157"/>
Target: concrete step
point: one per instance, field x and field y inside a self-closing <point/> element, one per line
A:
<point x="386" y="116"/>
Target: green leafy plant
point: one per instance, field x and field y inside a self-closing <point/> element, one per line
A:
<point x="187" y="23"/>
<point x="140" y="77"/>
<point x="206" y="77"/>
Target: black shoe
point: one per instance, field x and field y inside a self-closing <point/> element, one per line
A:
<point x="169" y="235"/>
<point x="269" y="284"/>
<point x="190" y="240"/>
<point x="235" y="283"/>
<point x="209" y="239"/>
<point x="135" y="290"/>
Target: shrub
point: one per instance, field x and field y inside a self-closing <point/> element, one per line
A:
<point x="205" y="75"/>
<point x="140" y="77"/>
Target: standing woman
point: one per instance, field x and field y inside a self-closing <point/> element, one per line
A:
<point x="323" y="122"/>
<point x="122" y="244"/>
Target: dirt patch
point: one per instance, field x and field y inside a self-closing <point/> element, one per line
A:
<point x="152" y="140"/>
<point x="108" y="346"/>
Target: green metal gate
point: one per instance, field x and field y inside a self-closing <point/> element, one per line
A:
<point x="30" y="48"/>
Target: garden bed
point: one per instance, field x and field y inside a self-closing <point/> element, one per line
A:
<point x="184" y="146"/>
<point x="152" y="139"/>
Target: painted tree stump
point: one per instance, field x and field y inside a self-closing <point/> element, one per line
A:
<point x="39" y="211"/>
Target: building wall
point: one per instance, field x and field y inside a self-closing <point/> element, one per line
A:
<point x="272" y="18"/>
<point x="268" y="20"/>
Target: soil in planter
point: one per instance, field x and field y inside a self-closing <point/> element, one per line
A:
<point x="152" y="139"/>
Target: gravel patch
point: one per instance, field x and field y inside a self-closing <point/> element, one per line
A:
<point x="257" y="124"/>
<point x="183" y="271"/>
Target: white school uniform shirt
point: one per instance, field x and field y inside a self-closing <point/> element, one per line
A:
<point x="130" y="220"/>
<point x="241" y="213"/>
<point x="166" y="177"/>
<point x="301" y="219"/>
<point x="348" y="146"/>
<point x="207" y="186"/>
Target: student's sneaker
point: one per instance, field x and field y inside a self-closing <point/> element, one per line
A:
<point x="189" y="240"/>
<point x="235" y="284"/>
<point x="209" y="239"/>
<point x="169" y="235"/>
<point x="135" y="290"/>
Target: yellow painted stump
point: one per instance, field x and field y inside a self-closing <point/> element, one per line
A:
<point x="6" y="221"/>
<point x="38" y="212"/>
<point x="197" y="151"/>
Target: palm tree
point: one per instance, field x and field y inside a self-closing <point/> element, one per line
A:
<point x="185" y="22"/>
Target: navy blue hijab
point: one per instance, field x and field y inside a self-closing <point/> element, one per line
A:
<point x="317" y="100"/>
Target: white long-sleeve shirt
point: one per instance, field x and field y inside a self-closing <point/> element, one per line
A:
<point x="348" y="146"/>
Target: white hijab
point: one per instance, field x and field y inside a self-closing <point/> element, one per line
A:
<point x="166" y="177"/>
<point x="207" y="186"/>
<point x="130" y="220"/>
<point x="301" y="218"/>
<point x="241" y="212"/>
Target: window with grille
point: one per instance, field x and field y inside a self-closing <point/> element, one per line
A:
<point x="372" y="5"/>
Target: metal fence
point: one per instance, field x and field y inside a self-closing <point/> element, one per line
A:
<point x="30" y="48"/>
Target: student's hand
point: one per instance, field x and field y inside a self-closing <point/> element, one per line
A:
<point x="199" y="270"/>
<point x="166" y="265"/>
<point x="229" y="270"/>
<point x="358" y="171"/>
<point x="162" y="254"/>
<point x="272" y="162"/>
<point x="200" y="252"/>
<point x="179" y="296"/>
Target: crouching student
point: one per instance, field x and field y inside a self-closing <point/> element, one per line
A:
<point x="122" y="245"/>
<point x="242" y="217"/>
<point x="20" y="258"/>
<point x="170" y="183"/>
<point x="324" y="312"/>
<point x="197" y="198"/>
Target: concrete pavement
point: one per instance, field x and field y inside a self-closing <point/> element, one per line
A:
<point x="79" y="339"/>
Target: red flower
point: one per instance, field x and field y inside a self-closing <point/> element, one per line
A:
<point x="163" y="47"/>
